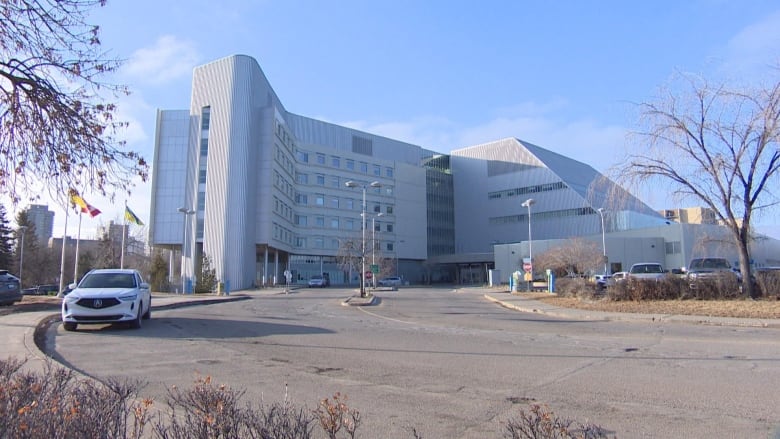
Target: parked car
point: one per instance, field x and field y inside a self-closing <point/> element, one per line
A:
<point x="318" y="281"/>
<point x="620" y="276"/>
<point x="107" y="296"/>
<point x="9" y="288"/>
<point x="711" y="268"/>
<point x="46" y="290"/>
<point x="392" y="281"/>
<point x="647" y="271"/>
<point x="602" y="281"/>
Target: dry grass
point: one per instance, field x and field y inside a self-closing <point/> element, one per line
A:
<point x="743" y="308"/>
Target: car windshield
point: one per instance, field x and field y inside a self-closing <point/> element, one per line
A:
<point x="710" y="263"/>
<point x="646" y="268"/>
<point x="108" y="280"/>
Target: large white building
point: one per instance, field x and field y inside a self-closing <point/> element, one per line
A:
<point x="261" y="190"/>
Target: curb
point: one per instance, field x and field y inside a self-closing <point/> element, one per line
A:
<point x="536" y="307"/>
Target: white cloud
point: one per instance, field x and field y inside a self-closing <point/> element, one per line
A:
<point x="168" y="59"/>
<point x="751" y="51"/>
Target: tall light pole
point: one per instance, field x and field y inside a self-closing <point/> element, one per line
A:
<point x="528" y="203"/>
<point x="187" y="213"/>
<point x="601" y="211"/>
<point x="22" y="229"/>
<point x="373" y="243"/>
<point x="353" y="184"/>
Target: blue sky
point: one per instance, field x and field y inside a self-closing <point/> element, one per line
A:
<point x="442" y="74"/>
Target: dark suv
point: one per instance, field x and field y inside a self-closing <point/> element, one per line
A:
<point x="10" y="292"/>
<point x="715" y="269"/>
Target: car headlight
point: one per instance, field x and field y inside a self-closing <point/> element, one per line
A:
<point x="128" y="296"/>
<point x="71" y="298"/>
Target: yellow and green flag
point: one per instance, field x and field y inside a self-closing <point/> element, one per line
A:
<point x="132" y="217"/>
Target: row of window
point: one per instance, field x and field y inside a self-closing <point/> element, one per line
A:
<point x="321" y="200"/>
<point x="349" y="164"/>
<point x="526" y="190"/>
<point x="340" y="223"/>
<point x="523" y="218"/>
<point x="322" y="243"/>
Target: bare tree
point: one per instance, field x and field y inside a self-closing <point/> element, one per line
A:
<point x="56" y="127"/>
<point x="715" y="145"/>
<point x="576" y="256"/>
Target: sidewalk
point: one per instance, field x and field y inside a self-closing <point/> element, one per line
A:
<point x="529" y="305"/>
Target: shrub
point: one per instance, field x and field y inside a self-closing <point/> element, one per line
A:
<point x="541" y="423"/>
<point x="768" y="282"/>
<point x="573" y="287"/>
<point x="55" y="404"/>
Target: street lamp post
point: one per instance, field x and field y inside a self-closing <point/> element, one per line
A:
<point x="353" y="184"/>
<point x="528" y="203"/>
<point x="187" y="213"/>
<point x="603" y="240"/>
<point x="23" y="229"/>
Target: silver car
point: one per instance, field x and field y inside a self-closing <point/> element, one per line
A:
<point x="107" y="296"/>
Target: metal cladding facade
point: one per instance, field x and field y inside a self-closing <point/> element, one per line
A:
<point x="495" y="178"/>
<point x="260" y="190"/>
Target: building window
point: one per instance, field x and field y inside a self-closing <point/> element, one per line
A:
<point x="300" y="242"/>
<point x="334" y="202"/>
<point x="351" y="165"/>
<point x="349" y="224"/>
<point x="303" y="156"/>
<point x="335" y="162"/>
<point x="377" y="208"/>
<point x="205" y="116"/>
<point x="204" y="146"/>
<point x="320" y="180"/>
<point x="389" y="210"/>
<point x="303" y="178"/>
<point x="389" y="246"/>
<point x="320" y="221"/>
<point x="320" y="159"/>
<point x="319" y="200"/>
<point x="364" y="167"/>
<point x="301" y="220"/>
<point x="390" y="228"/>
<point x="201" y="201"/>
<point x="335" y="181"/>
<point x="319" y="243"/>
<point x="334" y="223"/>
<point x="672" y="248"/>
<point x="202" y="176"/>
<point x="350" y="204"/>
<point x="302" y="199"/>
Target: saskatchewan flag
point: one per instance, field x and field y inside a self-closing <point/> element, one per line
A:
<point x="131" y="217"/>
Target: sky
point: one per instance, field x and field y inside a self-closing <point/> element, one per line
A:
<point x="444" y="74"/>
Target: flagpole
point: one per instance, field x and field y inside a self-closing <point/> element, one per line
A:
<point x="124" y="232"/>
<point x="62" y="260"/>
<point x="76" y="264"/>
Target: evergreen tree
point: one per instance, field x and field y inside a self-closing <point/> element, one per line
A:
<point x="158" y="273"/>
<point x="207" y="280"/>
<point x="7" y="258"/>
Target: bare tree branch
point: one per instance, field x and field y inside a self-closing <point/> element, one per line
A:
<point x="55" y="125"/>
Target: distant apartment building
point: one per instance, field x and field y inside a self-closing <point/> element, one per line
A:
<point x="42" y="219"/>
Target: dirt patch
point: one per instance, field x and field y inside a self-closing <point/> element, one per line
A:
<point x="33" y="304"/>
<point x="742" y="308"/>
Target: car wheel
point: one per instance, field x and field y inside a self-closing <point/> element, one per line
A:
<point x="148" y="313"/>
<point x="136" y="323"/>
<point x="69" y="326"/>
